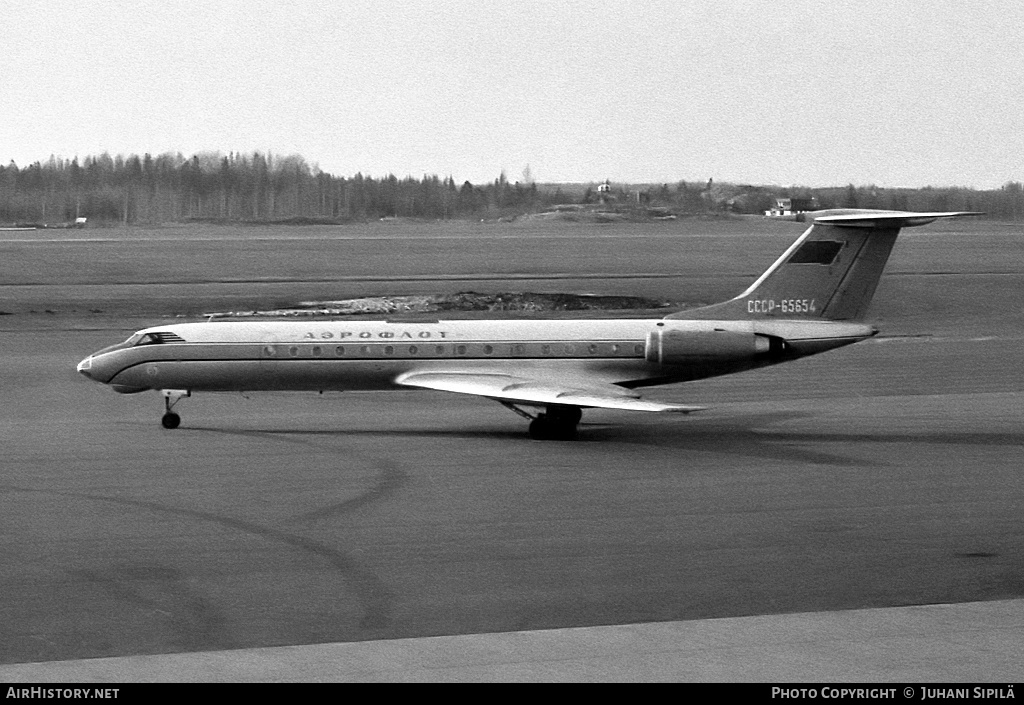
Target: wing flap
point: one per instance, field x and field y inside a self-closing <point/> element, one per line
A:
<point x="522" y="390"/>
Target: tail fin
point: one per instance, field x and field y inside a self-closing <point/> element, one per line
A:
<point x="830" y="272"/>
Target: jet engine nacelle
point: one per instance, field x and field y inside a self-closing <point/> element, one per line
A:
<point x="679" y="347"/>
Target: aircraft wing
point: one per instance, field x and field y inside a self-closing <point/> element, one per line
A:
<point x="522" y="390"/>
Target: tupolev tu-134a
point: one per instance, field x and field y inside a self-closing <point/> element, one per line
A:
<point x="812" y="299"/>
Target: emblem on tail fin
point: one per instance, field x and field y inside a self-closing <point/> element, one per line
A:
<point x="830" y="272"/>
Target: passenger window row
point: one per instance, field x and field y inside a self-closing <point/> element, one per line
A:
<point x="458" y="350"/>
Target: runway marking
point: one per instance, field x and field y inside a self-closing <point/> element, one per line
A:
<point x="966" y="642"/>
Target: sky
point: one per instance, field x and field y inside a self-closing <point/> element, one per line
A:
<point x="812" y="93"/>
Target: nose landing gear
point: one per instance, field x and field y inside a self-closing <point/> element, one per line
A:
<point x="172" y="397"/>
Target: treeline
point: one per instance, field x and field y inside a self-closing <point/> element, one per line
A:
<point x="1006" y="202"/>
<point x="238" y="188"/>
<point x="263" y="188"/>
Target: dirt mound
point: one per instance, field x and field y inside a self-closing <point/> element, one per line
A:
<point x="462" y="301"/>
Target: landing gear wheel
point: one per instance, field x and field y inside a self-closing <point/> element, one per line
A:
<point x="558" y="423"/>
<point x="545" y="428"/>
<point x="172" y="397"/>
<point x="539" y="429"/>
<point x="568" y="415"/>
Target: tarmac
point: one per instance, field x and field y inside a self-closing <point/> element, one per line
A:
<point x="849" y="517"/>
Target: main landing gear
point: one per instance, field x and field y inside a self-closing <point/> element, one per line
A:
<point x="172" y="397"/>
<point x="557" y="423"/>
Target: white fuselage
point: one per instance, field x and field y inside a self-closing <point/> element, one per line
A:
<point x="322" y="355"/>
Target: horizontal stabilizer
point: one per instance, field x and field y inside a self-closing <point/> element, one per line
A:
<point x="521" y="390"/>
<point x="885" y="219"/>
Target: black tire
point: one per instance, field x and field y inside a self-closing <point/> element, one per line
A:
<point x="565" y="415"/>
<point x="544" y="428"/>
<point x="540" y="429"/>
<point x="564" y="432"/>
<point x="170" y="420"/>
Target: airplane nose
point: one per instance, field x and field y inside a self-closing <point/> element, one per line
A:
<point x="85" y="366"/>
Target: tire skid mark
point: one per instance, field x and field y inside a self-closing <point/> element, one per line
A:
<point x="370" y="590"/>
<point x="196" y="621"/>
<point x="391" y="478"/>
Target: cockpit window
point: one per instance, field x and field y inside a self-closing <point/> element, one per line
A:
<point x="157" y="338"/>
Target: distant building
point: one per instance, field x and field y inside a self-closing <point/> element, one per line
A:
<point x="792" y="206"/>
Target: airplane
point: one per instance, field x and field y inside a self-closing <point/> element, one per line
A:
<point x="812" y="299"/>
